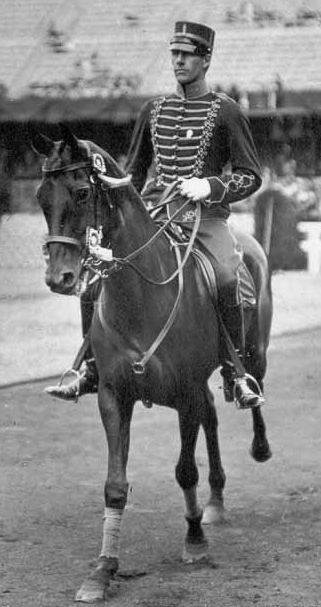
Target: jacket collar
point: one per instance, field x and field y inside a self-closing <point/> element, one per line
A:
<point x="193" y="90"/>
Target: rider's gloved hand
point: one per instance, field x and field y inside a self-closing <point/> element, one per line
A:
<point x="195" y="188"/>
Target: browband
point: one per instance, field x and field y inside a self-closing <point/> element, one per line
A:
<point x="68" y="167"/>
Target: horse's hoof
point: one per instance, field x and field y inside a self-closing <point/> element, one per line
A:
<point x="92" y="591"/>
<point x="195" y="553"/>
<point x="261" y="453"/>
<point x="94" y="588"/>
<point x="213" y="515"/>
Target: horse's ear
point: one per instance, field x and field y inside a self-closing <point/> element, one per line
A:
<point x="40" y="143"/>
<point x="68" y="137"/>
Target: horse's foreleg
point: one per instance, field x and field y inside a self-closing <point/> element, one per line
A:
<point x="195" y="545"/>
<point x="116" y="418"/>
<point x="214" y="509"/>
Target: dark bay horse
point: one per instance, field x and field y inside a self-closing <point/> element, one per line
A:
<point x="155" y="332"/>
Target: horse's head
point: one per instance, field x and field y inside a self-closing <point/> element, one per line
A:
<point x="71" y="195"/>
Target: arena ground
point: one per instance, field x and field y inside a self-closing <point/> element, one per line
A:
<point x="53" y="462"/>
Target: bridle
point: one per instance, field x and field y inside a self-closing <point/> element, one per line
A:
<point x="97" y="178"/>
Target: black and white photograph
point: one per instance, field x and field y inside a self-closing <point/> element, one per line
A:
<point x="160" y="303"/>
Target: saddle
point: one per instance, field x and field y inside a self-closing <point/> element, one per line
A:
<point x="246" y="282"/>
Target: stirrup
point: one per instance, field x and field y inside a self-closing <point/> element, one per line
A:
<point x="68" y="371"/>
<point x="256" y="390"/>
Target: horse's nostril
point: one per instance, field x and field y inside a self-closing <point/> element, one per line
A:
<point x="68" y="278"/>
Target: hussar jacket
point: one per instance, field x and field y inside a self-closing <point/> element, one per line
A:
<point x="207" y="136"/>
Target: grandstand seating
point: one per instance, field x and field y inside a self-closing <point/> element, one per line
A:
<point x="131" y="37"/>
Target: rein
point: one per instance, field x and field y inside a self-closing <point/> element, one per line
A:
<point x="189" y="247"/>
<point x="120" y="262"/>
<point x="139" y="366"/>
<point x="90" y="262"/>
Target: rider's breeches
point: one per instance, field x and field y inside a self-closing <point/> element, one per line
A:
<point x="233" y="281"/>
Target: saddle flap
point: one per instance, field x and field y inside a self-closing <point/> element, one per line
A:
<point x="207" y="272"/>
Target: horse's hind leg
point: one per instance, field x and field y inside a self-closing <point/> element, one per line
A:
<point x="195" y="545"/>
<point x="214" y="509"/>
<point x="256" y="366"/>
<point x="260" y="448"/>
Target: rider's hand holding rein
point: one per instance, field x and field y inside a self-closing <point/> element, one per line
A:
<point x="197" y="189"/>
<point x="194" y="188"/>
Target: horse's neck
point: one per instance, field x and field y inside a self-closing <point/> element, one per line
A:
<point x="134" y="226"/>
<point x="131" y="285"/>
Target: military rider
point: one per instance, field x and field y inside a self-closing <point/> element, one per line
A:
<point x="189" y="137"/>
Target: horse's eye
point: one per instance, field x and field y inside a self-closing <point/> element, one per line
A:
<point x="82" y="195"/>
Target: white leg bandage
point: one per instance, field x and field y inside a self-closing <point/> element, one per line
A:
<point x="111" y="532"/>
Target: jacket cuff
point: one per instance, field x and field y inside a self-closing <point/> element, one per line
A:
<point x="218" y="189"/>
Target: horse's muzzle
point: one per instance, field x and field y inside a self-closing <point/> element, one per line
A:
<point x="64" y="282"/>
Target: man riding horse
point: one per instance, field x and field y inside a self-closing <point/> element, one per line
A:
<point x="186" y="140"/>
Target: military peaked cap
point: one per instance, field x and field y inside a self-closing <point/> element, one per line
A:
<point x="192" y="38"/>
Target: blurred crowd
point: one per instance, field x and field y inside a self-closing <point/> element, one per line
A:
<point x="304" y="192"/>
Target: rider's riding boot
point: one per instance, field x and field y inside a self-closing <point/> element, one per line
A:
<point x="236" y="388"/>
<point x="85" y="383"/>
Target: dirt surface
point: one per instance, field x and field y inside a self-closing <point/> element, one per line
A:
<point x="53" y="462"/>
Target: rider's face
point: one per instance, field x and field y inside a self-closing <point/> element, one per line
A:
<point x="188" y="67"/>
